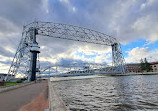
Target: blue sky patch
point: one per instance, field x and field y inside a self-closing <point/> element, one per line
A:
<point x="139" y="43"/>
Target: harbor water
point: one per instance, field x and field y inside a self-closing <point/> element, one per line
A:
<point x="110" y="93"/>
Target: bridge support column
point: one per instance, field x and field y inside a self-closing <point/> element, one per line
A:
<point x="34" y="51"/>
<point x="117" y="58"/>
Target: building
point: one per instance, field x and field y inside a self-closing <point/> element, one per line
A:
<point x="136" y="68"/>
<point x="154" y="66"/>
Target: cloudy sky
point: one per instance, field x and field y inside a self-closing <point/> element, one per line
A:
<point x="133" y="22"/>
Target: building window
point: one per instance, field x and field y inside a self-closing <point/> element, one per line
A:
<point x="155" y="68"/>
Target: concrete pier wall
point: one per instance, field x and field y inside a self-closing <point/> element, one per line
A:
<point x="128" y="74"/>
<point x="56" y="103"/>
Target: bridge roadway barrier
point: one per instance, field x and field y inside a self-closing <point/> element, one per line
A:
<point x="55" y="101"/>
<point x="7" y="88"/>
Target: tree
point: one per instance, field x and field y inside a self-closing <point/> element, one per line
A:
<point x="142" y="65"/>
<point x="145" y="66"/>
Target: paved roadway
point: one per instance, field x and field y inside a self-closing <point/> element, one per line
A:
<point x="14" y="99"/>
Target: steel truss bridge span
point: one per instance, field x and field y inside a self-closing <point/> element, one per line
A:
<point x="77" y="69"/>
<point x="25" y="59"/>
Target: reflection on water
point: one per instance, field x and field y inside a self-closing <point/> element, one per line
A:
<point x="110" y="93"/>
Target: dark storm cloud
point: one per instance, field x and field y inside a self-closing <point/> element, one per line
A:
<point x="68" y="61"/>
<point x="7" y="27"/>
<point x="13" y="15"/>
<point x="46" y="64"/>
<point x="19" y="12"/>
<point x="87" y="14"/>
<point x="5" y="52"/>
<point x="6" y="62"/>
<point x="116" y="18"/>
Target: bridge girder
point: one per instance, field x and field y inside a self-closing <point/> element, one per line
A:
<point x="70" y="32"/>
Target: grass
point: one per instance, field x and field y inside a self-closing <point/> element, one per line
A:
<point x="11" y="83"/>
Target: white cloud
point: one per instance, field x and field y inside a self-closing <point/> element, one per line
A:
<point x="146" y="27"/>
<point x="119" y="16"/>
<point x="4" y="68"/>
<point x="136" y="54"/>
<point x="147" y="4"/>
<point x="45" y="5"/>
<point x="131" y="22"/>
<point x="86" y="53"/>
<point x="89" y="48"/>
<point x="104" y="58"/>
<point x="5" y="59"/>
<point x="10" y="49"/>
<point x="68" y="4"/>
<point x="5" y="63"/>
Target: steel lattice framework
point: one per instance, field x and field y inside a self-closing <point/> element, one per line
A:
<point x="22" y="59"/>
<point x="77" y="69"/>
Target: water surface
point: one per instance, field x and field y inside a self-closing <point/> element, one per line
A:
<point x="110" y="93"/>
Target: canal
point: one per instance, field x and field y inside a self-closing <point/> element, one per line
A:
<point x="110" y="93"/>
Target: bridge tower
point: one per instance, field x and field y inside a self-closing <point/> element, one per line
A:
<point x="117" y="58"/>
<point x="34" y="51"/>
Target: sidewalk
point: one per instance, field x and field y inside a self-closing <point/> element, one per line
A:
<point x="17" y="98"/>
